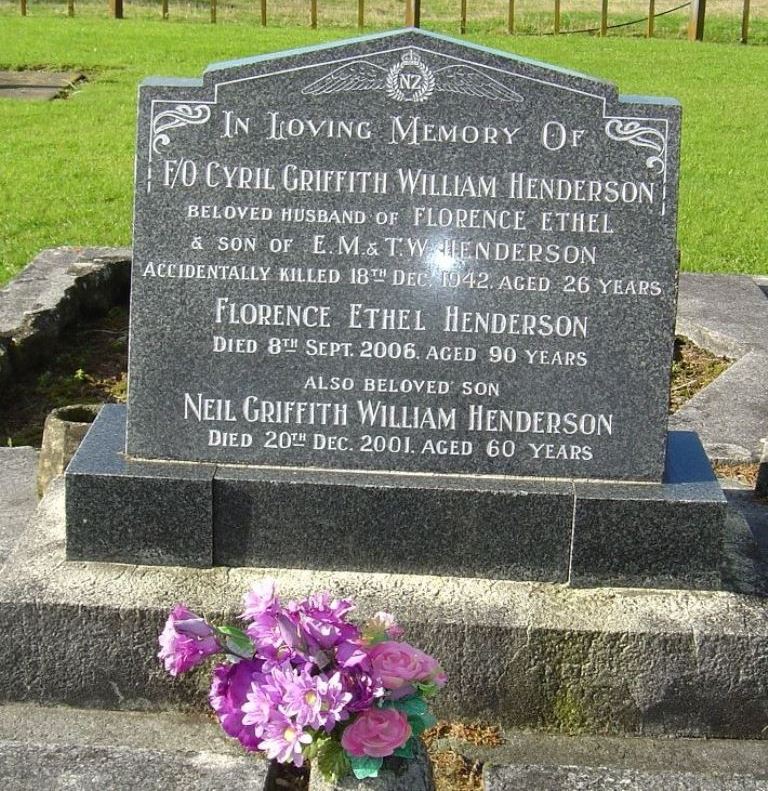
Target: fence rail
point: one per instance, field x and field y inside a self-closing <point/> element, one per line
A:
<point x="412" y="16"/>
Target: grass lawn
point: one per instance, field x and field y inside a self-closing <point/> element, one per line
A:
<point x="66" y="167"/>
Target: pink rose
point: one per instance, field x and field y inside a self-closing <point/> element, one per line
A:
<point x="398" y="665"/>
<point x="376" y="733"/>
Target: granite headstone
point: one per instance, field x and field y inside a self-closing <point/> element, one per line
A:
<point x="402" y="292"/>
<point x="404" y="253"/>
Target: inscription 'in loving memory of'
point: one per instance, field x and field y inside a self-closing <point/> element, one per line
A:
<point x="404" y="254"/>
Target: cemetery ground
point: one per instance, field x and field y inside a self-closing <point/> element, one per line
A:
<point x="67" y="165"/>
<point x="92" y="367"/>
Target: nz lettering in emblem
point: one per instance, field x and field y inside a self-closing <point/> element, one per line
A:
<point x="412" y="80"/>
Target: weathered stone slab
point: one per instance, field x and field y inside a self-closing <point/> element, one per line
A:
<point x="37" y="85"/>
<point x="52" y="291"/>
<point x="404" y="253"/>
<point x="132" y="512"/>
<point x="730" y="415"/>
<point x="18" y="500"/>
<point x="412" y="524"/>
<point x="605" y="778"/>
<point x="32" y="766"/>
<point x="726" y="314"/>
<point x="662" y="535"/>
<point x="605" y="660"/>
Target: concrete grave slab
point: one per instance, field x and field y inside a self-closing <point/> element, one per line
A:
<point x="33" y="85"/>
<point x="575" y="778"/>
<point x="18" y="498"/>
<point x="727" y="315"/>
<point x="25" y="767"/>
<point x="52" y="291"/>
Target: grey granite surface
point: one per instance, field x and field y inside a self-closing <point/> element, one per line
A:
<point x="414" y="524"/>
<point x="404" y="253"/>
<point x="662" y="535"/>
<point x="133" y="512"/>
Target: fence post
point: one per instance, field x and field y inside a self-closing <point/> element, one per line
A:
<point x="263" y="13"/>
<point x="360" y="14"/>
<point x="313" y="14"/>
<point x="213" y="12"/>
<point x="604" y="19"/>
<point x="557" y="17"/>
<point x="23" y="7"/>
<point x="417" y="13"/>
<point x="651" y="18"/>
<point x="463" y="23"/>
<point x="745" y="23"/>
<point x="511" y="19"/>
<point x="116" y="8"/>
<point x="70" y="7"/>
<point x="696" y="22"/>
<point x="165" y="9"/>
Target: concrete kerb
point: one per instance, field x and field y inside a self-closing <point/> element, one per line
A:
<point x="51" y="292"/>
<point x="530" y="655"/>
<point x="727" y="315"/>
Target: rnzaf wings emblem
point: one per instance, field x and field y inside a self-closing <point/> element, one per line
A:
<point x="411" y="80"/>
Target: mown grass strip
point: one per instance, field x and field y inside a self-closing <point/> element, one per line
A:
<point x="66" y="167"/>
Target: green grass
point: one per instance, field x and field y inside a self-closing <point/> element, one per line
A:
<point x="66" y="167"/>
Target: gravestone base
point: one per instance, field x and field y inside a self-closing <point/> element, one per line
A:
<point x="582" y="533"/>
<point x="533" y="655"/>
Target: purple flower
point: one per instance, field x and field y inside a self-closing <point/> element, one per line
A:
<point x="363" y="688"/>
<point x="186" y="641"/>
<point x="229" y="696"/>
<point x="284" y="741"/>
<point x="334" y="700"/>
<point x="351" y="654"/>
<point x="259" y="708"/>
<point x="260" y="599"/>
<point x="313" y="701"/>
<point x="322" y="619"/>
<point x="300" y="697"/>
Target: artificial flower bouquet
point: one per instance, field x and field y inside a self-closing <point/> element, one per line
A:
<point x="301" y="682"/>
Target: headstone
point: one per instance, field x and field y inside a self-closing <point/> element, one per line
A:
<point x="400" y="292"/>
<point x="404" y="254"/>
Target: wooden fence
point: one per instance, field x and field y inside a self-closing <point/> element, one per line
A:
<point x="413" y="16"/>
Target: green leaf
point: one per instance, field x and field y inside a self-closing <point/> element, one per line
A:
<point x="421" y="724"/>
<point x="332" y="761"/>
<point x="311" y="750"/>
<point x="428" y="689"/>
<point x="413" y="706"/>
<point x="365" y="766"/>
<point x="236" y="641"/>
<point x="406" y="751"/>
